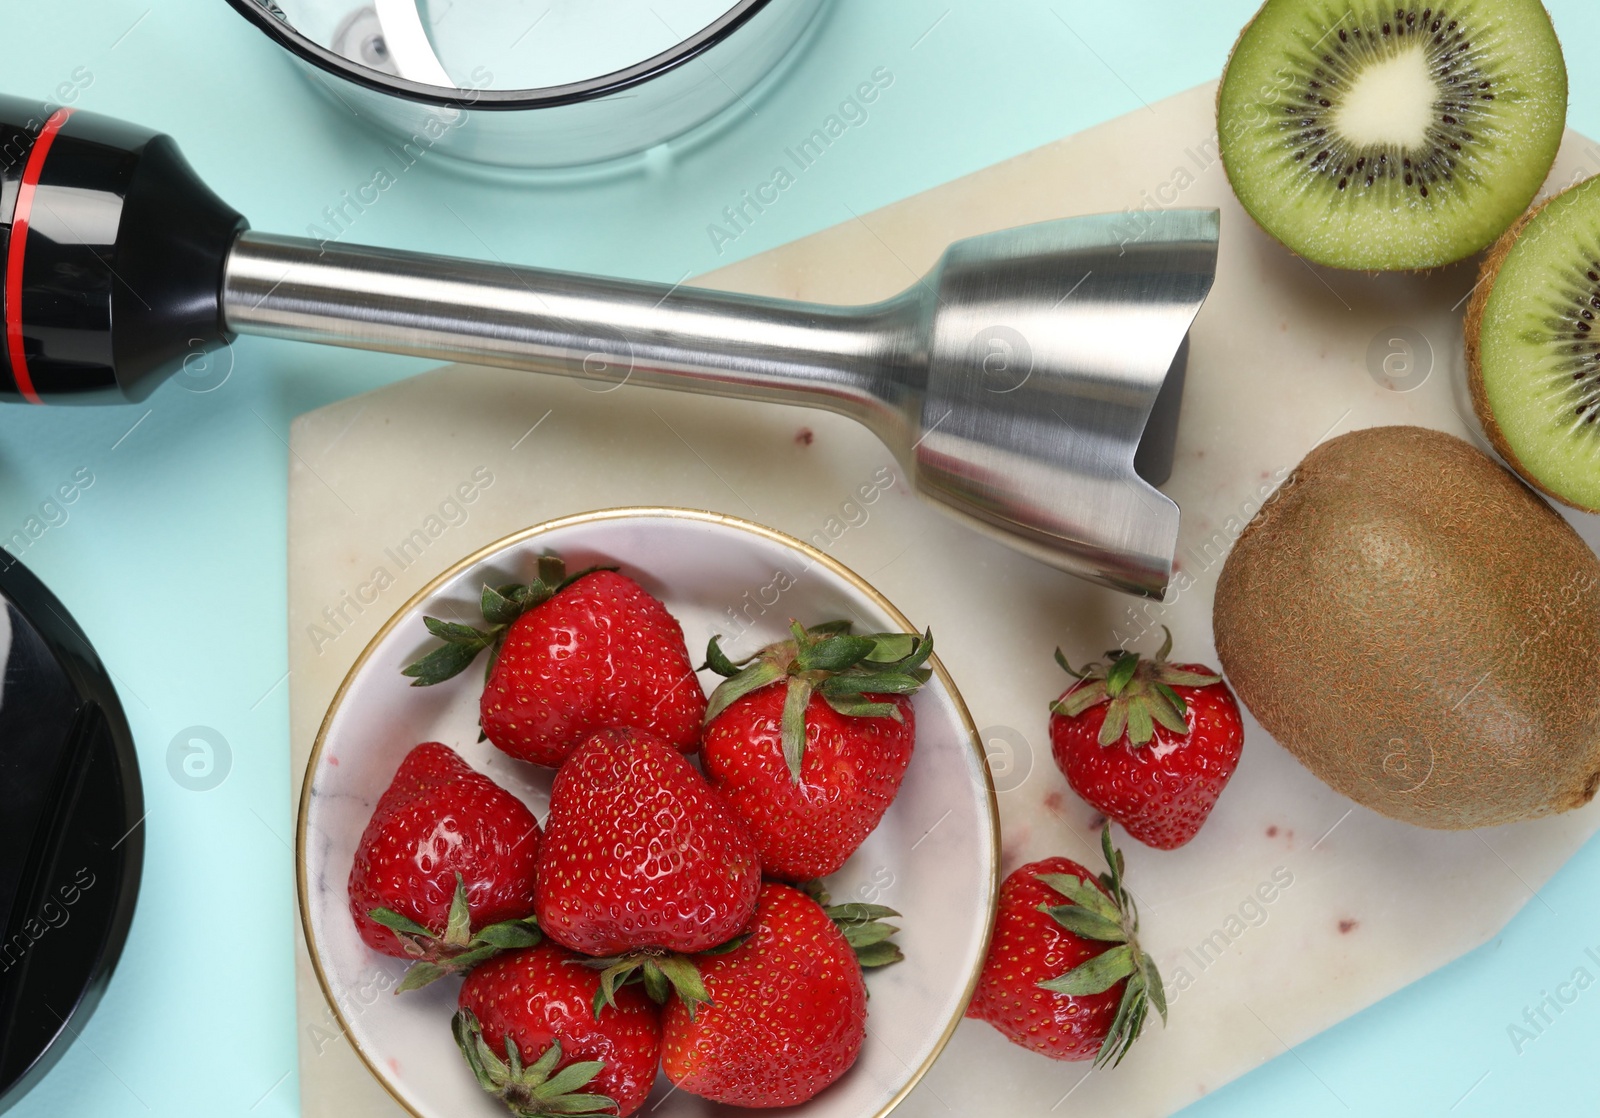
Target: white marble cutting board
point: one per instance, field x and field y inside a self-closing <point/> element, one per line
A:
<point x="1284" y="355"/>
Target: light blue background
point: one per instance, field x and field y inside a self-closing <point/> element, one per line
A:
<point x="173" y="559"/>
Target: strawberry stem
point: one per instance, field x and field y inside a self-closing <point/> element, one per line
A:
<point x="663" y="974"/>
<point x="1114" y="920"/>
<point x="501" y="606"/>
<point x="459" y="949"/>
<point x="537" y="1090"/>
<point x="861" y="924"/>
<point x="827" y="659"/>
<point x="1138" y="692"/>
<point x="866" y="933"/>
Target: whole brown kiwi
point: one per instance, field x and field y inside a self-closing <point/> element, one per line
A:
<point x="1420" y="630"/>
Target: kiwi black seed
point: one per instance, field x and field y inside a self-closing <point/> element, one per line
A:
<point x="1389" y="136"/>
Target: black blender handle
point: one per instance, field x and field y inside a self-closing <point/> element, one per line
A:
<point x="102" y="224"/>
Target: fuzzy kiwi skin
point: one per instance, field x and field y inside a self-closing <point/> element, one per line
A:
<point x="1476" y="309"/>
<point x="1420" y="630"/>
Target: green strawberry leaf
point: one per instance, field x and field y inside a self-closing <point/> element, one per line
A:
<point x="718" y="661"/>
<point x="500" y="608"/>
<point x="458" y="634"/>
<point x="1124" y="960"/>
<point x="553" y="572"/>
<point x="857" y="912"/>
<point x="1140" y="692"/>
<point x="685" y="979"/>
<point x="663" y="974"/>
<point x="470" y="958"/>
<point x="1083" y="922"/>
<point x="891" y="648"/>
<point x="1115" y="867"/>
<point x="535" y="1091"/>
<point x="510" y="935"/>
<point x="1125" y="1026"/>
<point x="827" y="660"/>
<point x="395" y="922"/>
<point x="418" y="976"/>
<point x="861" y="708"/>
<point x="902" y="652"/>
<point x="1141" y="728"/>
<point x="865" y="935"/>
<point x="745" y="680"/>
<point x="1080" y="698"/>
<point x="458" y="924"/>
<point x="656" y="986"/>
<point x="1180" y="678"/>
<point x="1116" y="721"/>
<point x="1095" y="976"/>
<point x="1066" y="666"/>
<point x="733" y="944"/>
<point x="1174" y="700"/>
<point x="459" y="949"/>
<point x="571" y="1078"/>
<point x="1157" y="989"/>
<point x="1083" y="894"/>
<point x="795" y="702"/>
<point x="445" y="662"/>
<point x="469" y="1038"/>
<point x="878" y="955"/>
<point x="834" y="653"/>
<point x="1168" y="708"/>
<point x="864" y="931"/>
<point x="875" y="683"/>
<point x="1120" y="674"/>
<point x="816" y="890"/>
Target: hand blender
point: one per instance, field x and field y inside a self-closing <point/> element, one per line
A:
<point x="1029" y="384"/>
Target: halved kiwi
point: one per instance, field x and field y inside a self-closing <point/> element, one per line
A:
<point x="1391" y="136"/>
<point x="1533" y="346"/>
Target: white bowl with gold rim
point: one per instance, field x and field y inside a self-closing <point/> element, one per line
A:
<point x="934" y="858"/>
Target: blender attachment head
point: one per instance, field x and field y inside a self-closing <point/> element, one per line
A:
<point x="1028" y="384"/>
<point x="1055" y="371"/>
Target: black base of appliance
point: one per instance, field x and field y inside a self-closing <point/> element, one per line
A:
<point x="71" y="829"/>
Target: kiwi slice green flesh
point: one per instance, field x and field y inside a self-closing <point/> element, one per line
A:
<point x="1391" y="136"/>
<point x="1533" y="343"/>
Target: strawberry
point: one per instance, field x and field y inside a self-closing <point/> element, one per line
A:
<point x="446" y="850"/>
<point x="529" y="1031"/>
<point x="1065" y="975"/>
<point x="641" y="854"/>
<point x="787" y="1013"/>
<point x="810" y="738"/>
<point x="1148" y="743"/>
<point x="569" y="656"/>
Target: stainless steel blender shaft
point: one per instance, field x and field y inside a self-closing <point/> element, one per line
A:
<point x="557" y="322"/>
<point x="1020" y="384"/>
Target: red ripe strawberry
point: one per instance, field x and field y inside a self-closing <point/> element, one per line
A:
<point x="641" y="853"/>
<point x="447" y="850"/>
<point x="788" y="1009"/>
<point x="569" y="656"/>
<point x="1065" y="976"/>
<point x="519" y="1009"/>
<point x="1148" y="743"/>
<point x="810" y="739"/>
